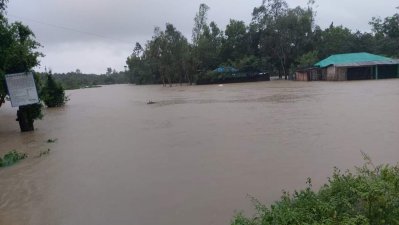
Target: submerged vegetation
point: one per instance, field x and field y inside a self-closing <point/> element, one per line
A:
<point x="368" y="196"/>
<point x="52" y="140"/>
<point x="11" y="158"/>
<point x="53" y="94"/>
<point x="43" y="153"/>
<point x="18" y="53"/>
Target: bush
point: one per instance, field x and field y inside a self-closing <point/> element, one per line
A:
<point x="369" y="196"/>
<point x="53" y="94"/>
<point x="209" y="77"/>
<point x="11" y="158"/>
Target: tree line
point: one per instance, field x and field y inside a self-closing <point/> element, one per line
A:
<point x="78" y="79"/>
<point x="278" y="40"/>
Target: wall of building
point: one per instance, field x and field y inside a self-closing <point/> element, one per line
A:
<point x="323" y="74"/>
<point x="341" y="73"/>
<point x="331" y="73"/>
<point x="301" y="76"/>
<point x="336" y="73"/>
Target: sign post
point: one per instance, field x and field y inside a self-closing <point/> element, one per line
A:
<point x="22" y="90"/>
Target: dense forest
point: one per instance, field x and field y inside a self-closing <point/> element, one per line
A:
<point x="278" y="40"/>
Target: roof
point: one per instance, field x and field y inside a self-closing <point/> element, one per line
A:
<point x="356" y="59"/>
<point x="226" y="70"/>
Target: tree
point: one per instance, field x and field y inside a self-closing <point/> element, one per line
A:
<point x="172" y="51"/>
<point x="3" y="4"/>
<point x="285" y="33"/>
<point x="53" y="94"/>
<point x="387" y="34"/>
<point x="308" y="59"/>
<point x="200" y="24"/>
<point x="335" y="40"/>
<point x="207" y="43"/>
<point x="236" y="45"/>
<point x="138" y="73"/>
<point x="18" y="53"/>
<point x="109" y="71"/>
<point x="206" y="51"/>
<point x="165" y="59"/>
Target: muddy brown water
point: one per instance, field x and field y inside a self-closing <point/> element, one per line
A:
<point x="195" y="155"/>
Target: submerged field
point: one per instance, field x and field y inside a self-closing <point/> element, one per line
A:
<point x="194" y="155"/>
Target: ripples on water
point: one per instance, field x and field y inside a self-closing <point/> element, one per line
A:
<point x="192" y="157"/>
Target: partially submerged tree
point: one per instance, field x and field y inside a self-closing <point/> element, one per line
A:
<point x="53" y="94"/>
<point x="18" y="53"/>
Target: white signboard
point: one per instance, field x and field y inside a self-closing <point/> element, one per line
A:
<point x="22" y="89"/>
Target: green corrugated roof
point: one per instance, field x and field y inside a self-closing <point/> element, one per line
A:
<point x="351" y="58"/>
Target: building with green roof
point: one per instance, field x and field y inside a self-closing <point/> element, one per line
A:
<point x="352" y="66"/>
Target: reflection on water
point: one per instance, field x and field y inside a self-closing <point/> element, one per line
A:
<point x="195" y="155"/>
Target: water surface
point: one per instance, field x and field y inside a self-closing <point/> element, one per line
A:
<point x="195" y="155"/>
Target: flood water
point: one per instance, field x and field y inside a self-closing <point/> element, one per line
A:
<point x="194" y="156"/>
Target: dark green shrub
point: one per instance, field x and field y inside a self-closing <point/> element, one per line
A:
<point x="53" y="94"/>
<point x="368" y="196"/>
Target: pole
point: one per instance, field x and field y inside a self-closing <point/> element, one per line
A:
<point x="376" y="72"/>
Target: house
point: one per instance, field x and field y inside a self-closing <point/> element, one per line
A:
<point x="309" y="74"/>
<point x="351" y="66"/>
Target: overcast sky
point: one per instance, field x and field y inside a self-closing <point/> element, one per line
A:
<point x="92" y="35"/>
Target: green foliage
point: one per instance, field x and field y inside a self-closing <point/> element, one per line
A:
<point x="335" y="40"/>
<point x="249" y="64"/>
<point x="236" y="43"/>
<point x="18" y="53"/>
<point x="3" y="4"/>
<point x="77" y="79"/>
<point x="53" y="94"/>
<point x="368" y="196"/>
<point x="278" y="40"/>
<point x="34" y="111"/>
<point x="165" y="59"/>
<point x="200" y="23"/>
<point x="387" y="34"/>
<point x="11" y="158"/>
<point x="308" y="59"/>
<point x="209" y="77"/>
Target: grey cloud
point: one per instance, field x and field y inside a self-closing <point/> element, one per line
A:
<point x="123" y="22"/>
